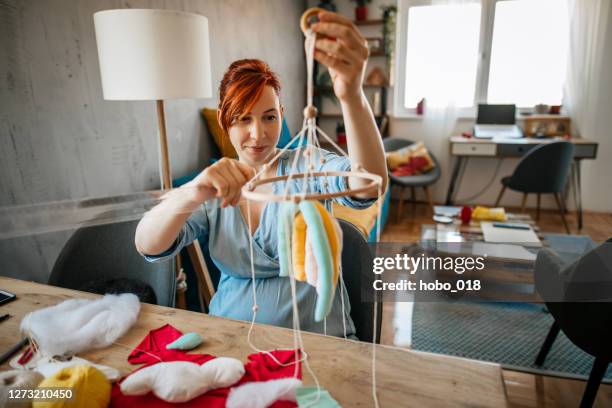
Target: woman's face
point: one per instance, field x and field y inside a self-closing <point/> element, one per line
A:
<point x="256" y="133"/>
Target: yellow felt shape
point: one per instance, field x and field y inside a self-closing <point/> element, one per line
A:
<point x="90" y="388"/>
<point x="489" y="214"/>
<point x="298" y="247"/>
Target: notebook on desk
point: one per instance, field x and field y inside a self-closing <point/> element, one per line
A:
<point x="496" y="122"/>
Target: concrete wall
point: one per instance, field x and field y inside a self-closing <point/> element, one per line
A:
<point x="60" y="140"/>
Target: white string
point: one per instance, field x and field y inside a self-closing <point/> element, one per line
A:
<point x="310" y="131"/>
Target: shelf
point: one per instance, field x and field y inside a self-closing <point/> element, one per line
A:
<point x="369" y="22"/>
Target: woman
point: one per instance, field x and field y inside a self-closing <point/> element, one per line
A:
<point x="250" y="113"/>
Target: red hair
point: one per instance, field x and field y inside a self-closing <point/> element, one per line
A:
<point x="242" y="86"/>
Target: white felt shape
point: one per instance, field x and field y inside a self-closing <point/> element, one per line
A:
<point x="78" y="325"/>
<point x="181" y="381"/>
<point x="262" y="394"/>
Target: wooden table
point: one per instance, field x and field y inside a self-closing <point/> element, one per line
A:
<point x="404" y="377"/>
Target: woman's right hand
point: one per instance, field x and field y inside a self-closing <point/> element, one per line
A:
<point x="224" y="180"/>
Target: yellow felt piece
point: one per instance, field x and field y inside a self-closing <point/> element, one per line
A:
<point x="90" y="388"/>
<point x="489" y="214"/>
<point x="332" y="236"/>
<point x="298" y="247"/>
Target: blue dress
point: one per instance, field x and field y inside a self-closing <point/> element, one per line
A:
<point x="226" y="233"/>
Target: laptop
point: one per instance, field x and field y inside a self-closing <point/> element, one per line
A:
<point x="496" y="122"/>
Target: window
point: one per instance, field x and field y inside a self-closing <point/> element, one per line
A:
<point x="440" y="67"/>
<point x="528" y="64"/>
<point x="469" y="51"/>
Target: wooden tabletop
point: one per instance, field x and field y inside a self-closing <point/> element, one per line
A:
<point x="404" y="377"/>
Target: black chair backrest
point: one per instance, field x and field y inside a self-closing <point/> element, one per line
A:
<point x="357" y="260"/>
<point x="107" y="252"/>
<point x="579" y="296"/>
<point x="543" y="169"/>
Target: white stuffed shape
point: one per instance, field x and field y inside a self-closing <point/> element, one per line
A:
<point x="181" y="381"/>
<point x="79" y="325"/>
<point x="262" y="394"/>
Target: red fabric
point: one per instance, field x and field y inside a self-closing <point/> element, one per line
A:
<point x="414" y="166"/>
<point x="260" y="367"/>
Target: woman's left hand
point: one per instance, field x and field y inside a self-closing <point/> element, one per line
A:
<point x="341" y="47"/>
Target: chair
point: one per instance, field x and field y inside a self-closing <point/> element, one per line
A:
<point x="354" y="269"/>
<point x="543" y="170"/>
<point x="421" y="180"/>
<point x="579" y="297"/>
<point x="107" y="252"/>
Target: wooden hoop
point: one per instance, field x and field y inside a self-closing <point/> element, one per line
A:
<point x="248" y="191"/>
<point x="304" y="24"/>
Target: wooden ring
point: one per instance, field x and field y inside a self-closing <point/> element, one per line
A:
<point x="254" y="195"/>
<point x="311" y="12"/>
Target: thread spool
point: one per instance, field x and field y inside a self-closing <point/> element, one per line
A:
<point x="305" y="20"/>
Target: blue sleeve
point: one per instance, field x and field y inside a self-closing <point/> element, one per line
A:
<point x="195" y="227"/>
<point x="334" y="162"/>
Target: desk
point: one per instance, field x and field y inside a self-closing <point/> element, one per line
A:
<point x="464" y="148"/>
<point x="404" y="377"/>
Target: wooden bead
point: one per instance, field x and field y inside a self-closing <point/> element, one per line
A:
<point x="310" y="112"/>
<point x="296" y="199"/>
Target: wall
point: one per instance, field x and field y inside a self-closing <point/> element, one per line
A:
<point x="60" y="140"/>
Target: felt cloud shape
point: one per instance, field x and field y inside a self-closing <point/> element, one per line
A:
<point x="78" y="325"/>
<point x="181" y="381"/>
<point x="310" y="247"/>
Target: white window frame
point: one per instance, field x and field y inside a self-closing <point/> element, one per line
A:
<point x="487" y="19"/>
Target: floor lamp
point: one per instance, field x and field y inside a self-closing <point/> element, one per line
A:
<point x="155" y="55"/>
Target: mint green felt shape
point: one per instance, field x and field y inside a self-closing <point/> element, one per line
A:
<point x="322" y="253"/>
<point x="187" y="341"/>
<point x="305" y="397"/>
<point x="284" y="231"/>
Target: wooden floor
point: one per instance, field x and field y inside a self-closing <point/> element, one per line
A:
<point x="523" y="389"/>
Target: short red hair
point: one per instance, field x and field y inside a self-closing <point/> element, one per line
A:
<point x="242" y="86"/>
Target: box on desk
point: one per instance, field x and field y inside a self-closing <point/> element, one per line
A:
<point x="546" y="125"/>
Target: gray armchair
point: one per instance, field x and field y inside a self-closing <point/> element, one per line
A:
<point x="403" y="182"/>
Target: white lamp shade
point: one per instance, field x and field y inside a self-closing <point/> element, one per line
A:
<point x="150" y="54"/>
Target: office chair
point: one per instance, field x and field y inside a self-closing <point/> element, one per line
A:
<point x="543" y="170"/>
<point x="354" y="269"/>
<point x="420" y="180"/>
<point x="105" y="255"/>
<point x="579" y="297"/>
